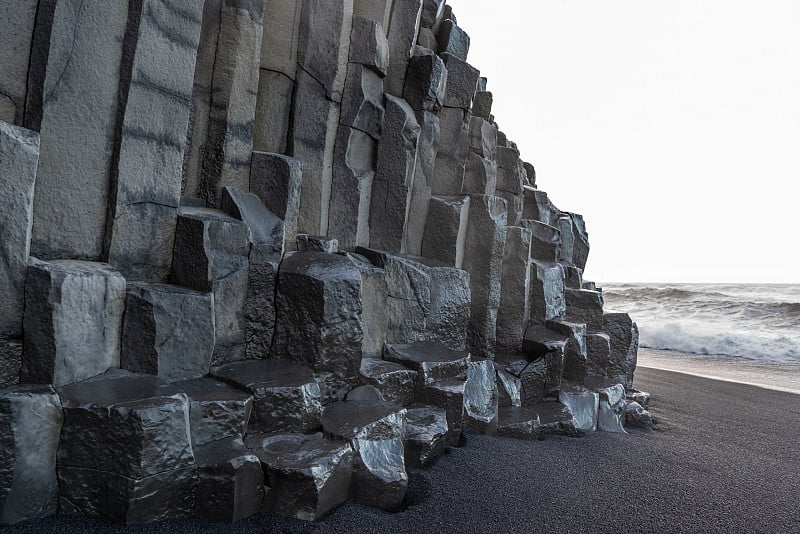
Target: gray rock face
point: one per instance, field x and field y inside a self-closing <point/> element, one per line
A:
<point x="530" y="174"/>
<point x="538" y="207"/>
<point x="533" y="422"/>
<point x="319" y="323"/>
<point x="365" y="393"/>
<point x="462" y="82"/>
<point x="73" y="320"/>
<point x="17" y="28"/>
<point x="481" y="397"/>
<point x="83" y="66"/>
<point x="547" y="291"/>
<point x="446" y="229"/>
<point x="637" y="416"/>
<point x="376" y="10"/>
<point x="591" y="370"/>
<point x="448" y="395"/>
<point x="640" y="397"/>
<point x="259" y="311"/>
<point x="308" y="476"/>
<point x="152" y="138"/>
<point x="276" y="180"/>
<point x="624" y="339"/>
<point x="448" y="318"/>
<point x="431" y="15"/>
<point x="210" y="254"/>
<point x="480" y="175"/>
<point x="317" y="243"/>
<point x="514" y="311"/>
<point x="374" y="316"/>
<point x="10" y="362"/>
<point x="509" y="385"/>
<point x="611" y="414"/>
<point x="419" y="200"/>
<point x="395" y="381"/>
<point x="368" y="44"/>
<point x="483" y="142"/>
<point x="19" y="157"/>
<point x="168" y="331"/>
<point x="30" y="425"/>
<point x="426" y="81"/>
<point x="584" y="406"/>
<point x="482" y="105"/>
<point x="584" y="306"/>
<point x="402" y="31"/>
<point x="265" y="228"/>
<point x="580" y="250"/>
<point x="453" y="40"/>
<point x="424" y="435"/>
<point x="286" y="398"/>
<point x="230" y="482"/>
<point x="545" y="241"/>
<point x="217" y="411"/>
<point x="323" y="43"/>
<point x="375" y="432"/>
<point x="362" y="103"/>
<point x="434" y="362"/>
<point x="510" y="172"/>
<point x="448" y="176"/>
<point x="394" y="175"/>
<point x="483" y="260"/>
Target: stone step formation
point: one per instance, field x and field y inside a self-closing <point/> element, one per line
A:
<point x="263" y="256"/>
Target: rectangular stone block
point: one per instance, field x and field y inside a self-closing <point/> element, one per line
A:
<point x="446" y="229"/>
<point x="17" y="23"/>
<point x="547" y="299"/>
<point x="402" y="33"/>
<point x="546" y="240"/>
<point x="362" y="103"/>
<point x="447" y="321"/>
<point x="73" y="320"/>
<point x="538" y="207"/>
<point x="324" y="43"/>
<point x="480" y="176"/>
<point x="10" y="361"/>
<point x="448" y="176"/>
<point x="462" y="82"/>
<point x="378" y="10"/>
<point x="453" y="40"/>
<point x="19" y="157"/>
<point x="368" y="44"/>
<point x="281" y="36"/>
<point x="426" y="81"/>
<point x="584" y="306"/>
<point x="276" y="180"/>
<point x="513" y="314"/>
<point x="419" y="201"/>
<point x="482" y="105"/>
<point x="273" y="112"/>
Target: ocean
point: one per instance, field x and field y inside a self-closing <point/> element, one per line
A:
<point x="759" y="323"/>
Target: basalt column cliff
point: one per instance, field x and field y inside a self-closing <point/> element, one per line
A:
<point x="261" y="255"/>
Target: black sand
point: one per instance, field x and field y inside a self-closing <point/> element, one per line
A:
<point x="724" y="457"/>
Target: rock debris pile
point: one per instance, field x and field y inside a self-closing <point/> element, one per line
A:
<point x="261" y="255"/>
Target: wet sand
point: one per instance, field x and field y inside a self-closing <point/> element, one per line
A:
<point x="724" y="457"/>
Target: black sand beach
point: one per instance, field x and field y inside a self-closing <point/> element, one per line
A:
<point x="724" y="457"/>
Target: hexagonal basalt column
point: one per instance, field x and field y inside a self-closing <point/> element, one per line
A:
<point x="285" y="395"/>
<point x="217" y="410"/>
<point x="396" y="382"/>
<point x="319" y="308"/>
<point x="433" y="361"/>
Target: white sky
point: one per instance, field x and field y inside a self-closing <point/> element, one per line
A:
<point x="673" y="126"/>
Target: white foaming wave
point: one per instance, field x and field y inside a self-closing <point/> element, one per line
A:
<point x="702" y="338"/>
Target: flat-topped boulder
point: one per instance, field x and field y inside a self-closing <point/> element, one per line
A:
<point x="308" y="475"/>
<point x="230" y="483"/>
<point x="286" y="397"/>
<point x="536" y="421"/>
<point x="584" y="306"/>
<point x="217" y="410"/>
<point x="425" y="435"/>
<point x="433" y="361"/>
<point x="449" y="395"/>
<point x="395" y="381"/>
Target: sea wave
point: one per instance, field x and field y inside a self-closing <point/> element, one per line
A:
<point x="697" y="338"/>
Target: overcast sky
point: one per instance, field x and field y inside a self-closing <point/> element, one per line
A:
<point x="672" y="126"/>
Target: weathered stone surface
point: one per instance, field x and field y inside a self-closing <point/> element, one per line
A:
<point x="530" y="174"/>
<point x="230" y="483"/>
<point x="580" y="248"/>
<point x="167" y="331"/>
<point x="533" y="422"/>
<point x="308" y="476"/>
<point x="591" y="370"/>
<point x="402" y="35"/>
<point x="286" y="398"/>
<point x="453" y="40"/>
<point x="426" y="81"/>
<point x="447" y="321"/>
<point x="508" y="385"/>
<point x="573" y="276"/>
<point x="448" y="395"/>
<point x="210" y="254"/>
<point x="319" y="322"/>
<point x="446" y="229"/>
<point x="547" y="291"/>
<point x="584" y="306"/>
<point x="351" y="193"/>
<point x="583" y="405"/>
<point x="368" y="44"/>
<point x="259" y="310"/>
<point x="513" y="313"/>
<point x="132" y="426"/>
<point x="481" y="398"/>
<point x="419" y="200"/>
<point x="324" y="42"/>
<point x="30" y="425"/>
<point x="514" y="206"/>
<point x="538" y="206"/>
<point x="424" y="435"/>
<point x="482" y="105"/>
<point x="151" y="136"/>
<point x="79" y="105"/>
<point x="312" y="137"/>
<point x="374" y="316"/>
<point x="641" y="397"/>
<point x="510" y="172"/>
<point x="280" y="40"/>
<point x="10" y="361"/>
<point x="317" y="243"/>
<point x="637" y="416"/>
<point x="448" y="176"/>
<point x="234" y="89"/>
<point x="394" y="175"/>
<point x="395" y="381"/>
<point x="611" y="414"/>
<point x="273" y="110"/>
<point x="624" y="338"/>
<point x="542" y="377"/>
<point x="265" y="228"/>
<point x="16" y="33"/>
<point x="19" y="156"/>
<point x="366" y="394"/>
<point x="565" y="228"/>
<point x="375" y="431"/>
<point x="73" y="320"/>
<point x="217" y="410"/>
<point x="462" y="82"/>
<point x="433" y="361"/>
<point x="483" y="142"/>
<point x="480" y="175"/>
<point x="426" y="39"/>
<point x="431" y="15"/>
<point x="483" y="258"/>
<point x="276" y="180"/>
<point x="362" y="103"/>
<point x="379" y="11"/>
<point x="545" y="241"/>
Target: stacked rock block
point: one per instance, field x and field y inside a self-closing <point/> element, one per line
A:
<point x="263" y="256"/>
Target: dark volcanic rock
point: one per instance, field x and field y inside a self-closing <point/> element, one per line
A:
<point x="481" y="397"/>
<point x="30" y="424"/>
<point x="424" y="435"/>
<point x="10" y="361"/>
<point x="532" y="422"/>
<point x="637" y="416"/>
<point x="449" y="395"/>
<point x="285" y="395"/>
<point x="611" y="414"/>
<point x="584" y="406"/>
<point x="433" y="361"/>
<point x="216" y="410"/>
<point x="624" y="339"/>
<point x="396" y="382"/>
